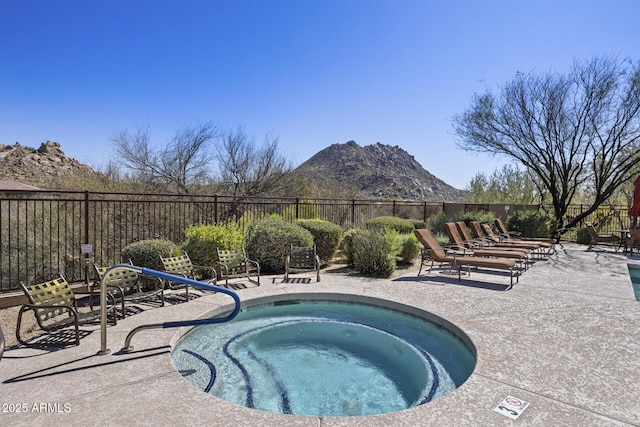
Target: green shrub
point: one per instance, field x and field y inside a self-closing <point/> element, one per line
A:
<point x="375" y="252"/>
<point x="418" y="223"/>
<point x="147" y="253"/>
<point x="268" y="242"/>
<point x="203" y="240"/>
<point x="435" y="223"/>
<point x="326" y="236"/>
<point x="530" y="223"/>
<point x="401" y="225"/>
<point x="410" y="248"/>
<point x="442" y="239"/>
<point x="480" y="216"/>
<point x="583" y="237"/>
<point x="346" y="244"/>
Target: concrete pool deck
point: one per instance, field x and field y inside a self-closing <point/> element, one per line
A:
<point x="566" y="339"/>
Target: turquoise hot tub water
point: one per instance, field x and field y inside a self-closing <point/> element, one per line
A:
<point x="325" y="358"/>
<point x="634" y="273"/>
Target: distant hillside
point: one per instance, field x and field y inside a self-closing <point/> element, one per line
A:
<point x="378" y="171"/>
<point x="47" y="167"/>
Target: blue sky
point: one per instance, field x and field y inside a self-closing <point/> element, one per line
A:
<point x="313" y="73"/>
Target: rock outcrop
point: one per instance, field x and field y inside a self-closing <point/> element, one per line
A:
<point x="377" y="171"/>
<point x="47" y="167"/>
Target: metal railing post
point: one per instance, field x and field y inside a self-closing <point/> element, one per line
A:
<point x="166" y="276"/>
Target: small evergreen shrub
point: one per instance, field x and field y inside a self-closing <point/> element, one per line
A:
<point x="480" y="216"/>
<point x="375" y="252"/>
<point x="326" y="236"/>
<point x="346" y="244"/>
<point x="435" y="223"/>
<point x="583" y="237"/>
<point x="418" y="223"/>
<point x="531" y="223"/>
<point x="147" y="253"/>
<point x="401" y="225"/>
<point x="410" y="248"/>
<point x="268" y="242"/>
<point x="203" y="240"/>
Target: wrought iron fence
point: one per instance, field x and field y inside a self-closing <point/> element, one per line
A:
<point x="44" y="233"/>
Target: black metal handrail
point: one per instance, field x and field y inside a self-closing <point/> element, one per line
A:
<point x="164" y="325"/>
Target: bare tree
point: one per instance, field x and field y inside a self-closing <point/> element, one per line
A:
<point x="568" y="130"/>
<point x="249" y="169"/>
<point x="184" y="161"/>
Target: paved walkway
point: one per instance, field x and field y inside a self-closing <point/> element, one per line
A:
<point x="566" y="339"/>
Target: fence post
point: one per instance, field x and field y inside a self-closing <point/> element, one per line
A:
<point x="393" y="209"/>
<point x="353" y="212"/>
<point x="86" y="236"/>
<point x="215" y="208"/>
<point x="297" y="207"/>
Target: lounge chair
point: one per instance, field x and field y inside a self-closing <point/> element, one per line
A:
<point x="458" y="243"/>
<point x="234" y="263"/>
<point x="596" y="238"/>
<point x="434" y="252"/>
<point x="484" y="232"/>
<point x="128" y="287"/>
<point x="302" y="259"/>
<point x="182" y="266"/>
<point x="55" y="307"/>
<point x="514" y="235"/>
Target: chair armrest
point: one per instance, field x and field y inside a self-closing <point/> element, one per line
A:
<point x="463" y="252"/>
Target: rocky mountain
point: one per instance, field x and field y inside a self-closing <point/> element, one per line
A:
<point x="378" y="171"/>
<point x="47" y="167"/>
<point x="374" y="171"/>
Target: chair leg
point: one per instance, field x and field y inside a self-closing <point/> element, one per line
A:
<point x="27" y="344"/>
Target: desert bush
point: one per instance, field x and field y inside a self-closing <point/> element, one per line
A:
<point x="410" y="248"/>
<point x="147" y="253"/>
<point x="203" y="240"/>
<point x="480" y="216"/>
<point x="435" y="223"/>
<point x="401" y="225"/>
<point x="531" y="223"/>
<point x="418" y="223"/>
<point x="346" y="244"/>
<point x="375" y="251"/>
<point x="583" y="237"/>
<point x="326" y="236"/>
<point x="268" y="242"/>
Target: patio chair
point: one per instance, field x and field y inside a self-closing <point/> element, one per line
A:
<point x="234" y="263"/>
<point x="55" y="307"/>
<point x="435" y="253"/>
<point x="483" y="231"/>
<point x="302" y="259"/>
<point x="128" y="287"/>
<point x="632" y="240"/>
<point x="596" y="238"/>
<point x="514" y="235"/>
<point x="182" y="266"/>
<point x="458" y="243"/>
